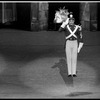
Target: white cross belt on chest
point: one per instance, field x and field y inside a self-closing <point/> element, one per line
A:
<point x="72" y="32"/>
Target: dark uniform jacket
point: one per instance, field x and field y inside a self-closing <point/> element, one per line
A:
<point x="78" y="32"/>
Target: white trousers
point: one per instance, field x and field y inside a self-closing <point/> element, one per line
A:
<point x="71" y="55"/>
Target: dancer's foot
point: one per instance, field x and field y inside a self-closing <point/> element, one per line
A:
<point x="69" y="75"/>
<point x="74" y="75"/>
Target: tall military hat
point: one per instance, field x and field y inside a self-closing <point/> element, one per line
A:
<point x="71" y="16"/>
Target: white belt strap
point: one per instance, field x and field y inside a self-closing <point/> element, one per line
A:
<point x="72" y="32"/>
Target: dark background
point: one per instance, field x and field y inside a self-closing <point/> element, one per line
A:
<point x="53" y="7"/>
<point x="98" y="18"/>
<point x="24" y="16"/>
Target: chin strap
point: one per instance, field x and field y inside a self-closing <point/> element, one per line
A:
<point x="80" y="46"/>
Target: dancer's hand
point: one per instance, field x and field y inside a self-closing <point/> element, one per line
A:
<point x="80" y="46"/>
<point x="78" y="50"/>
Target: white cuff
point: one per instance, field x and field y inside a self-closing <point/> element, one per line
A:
<point x="65" y="23"/>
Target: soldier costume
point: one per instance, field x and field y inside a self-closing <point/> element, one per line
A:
<point x="73" y="45"/>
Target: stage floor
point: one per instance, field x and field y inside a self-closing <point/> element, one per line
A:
<point x="40" y="71"/>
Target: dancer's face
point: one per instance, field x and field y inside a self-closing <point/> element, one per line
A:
<point x="71" y="22"/>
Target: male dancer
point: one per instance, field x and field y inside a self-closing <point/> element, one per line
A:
<point x="74" y="43"/>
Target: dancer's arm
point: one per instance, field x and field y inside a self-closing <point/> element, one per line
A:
<point x="80" y="39"/>
<point x="62" y="27"/>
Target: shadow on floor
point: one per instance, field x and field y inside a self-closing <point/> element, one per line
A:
<point x="64" y="72"/>
<point x="74" y="94"/>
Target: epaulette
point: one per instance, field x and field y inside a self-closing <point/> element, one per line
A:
<point x="80" y="28"/>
